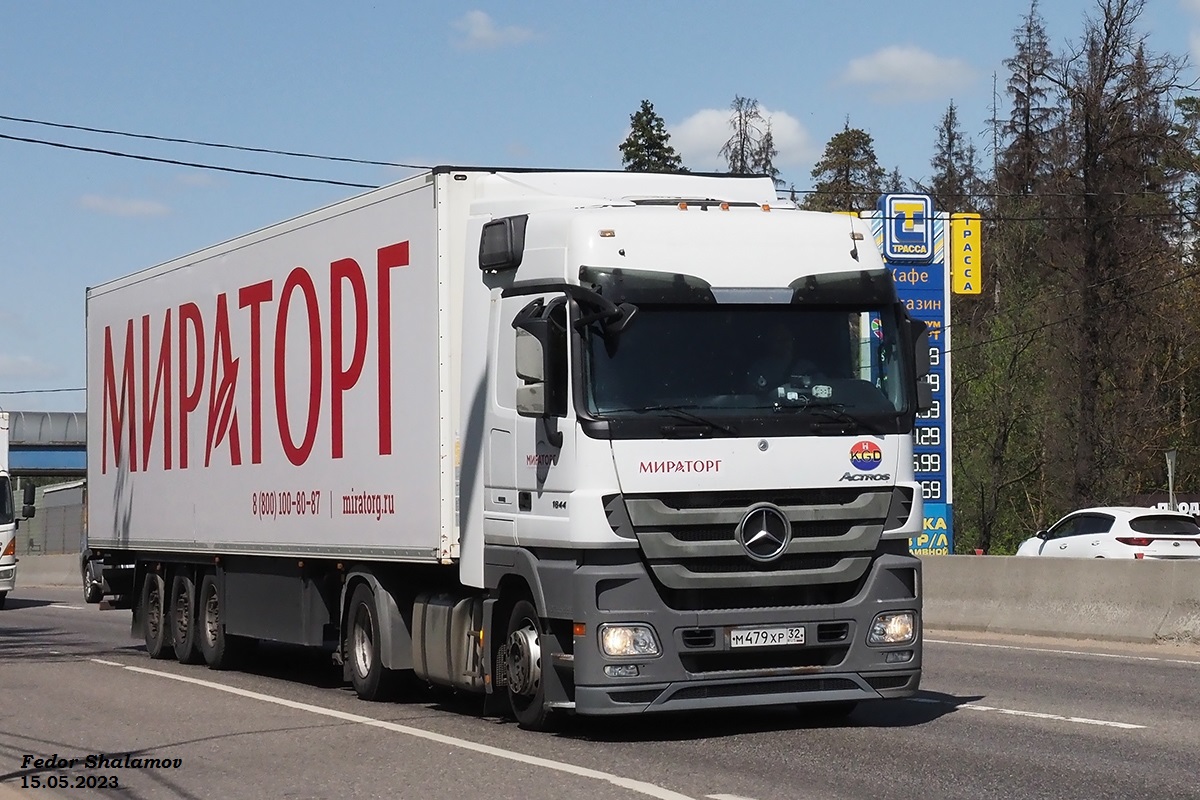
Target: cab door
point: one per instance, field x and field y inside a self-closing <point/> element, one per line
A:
<point x="544" y="444"/>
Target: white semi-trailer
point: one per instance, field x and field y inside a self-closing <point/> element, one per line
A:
<point x="597" y="442"/>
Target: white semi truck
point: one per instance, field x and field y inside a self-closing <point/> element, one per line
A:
<point x="599" y="442"/>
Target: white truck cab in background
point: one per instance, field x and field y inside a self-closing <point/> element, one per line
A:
<point x="589" y="442"/>
<point x="9" y="518"/>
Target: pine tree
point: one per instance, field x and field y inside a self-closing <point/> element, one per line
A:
<point x="764" y="157"/>
<point x="848" y="176"/>
<point x="648" y="146"/>
<point x="741" y="148"/>
<point x="955" y="183"/>
<point x="751" y="149"/>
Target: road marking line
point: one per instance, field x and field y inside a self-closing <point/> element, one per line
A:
<point x="1032" y="714"/>
<point x="641" y="787"/>
<point x="727" y="797"/>
<point x="108" y="663"/>
<point x="65" y="605"/>
<point x="1066" y="652"/>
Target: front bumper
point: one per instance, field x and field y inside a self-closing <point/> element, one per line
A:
<point x="8" y="577"/>
<point x="698" y="668"/>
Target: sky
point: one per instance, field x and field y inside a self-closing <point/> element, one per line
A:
<point x="519" y="84"/>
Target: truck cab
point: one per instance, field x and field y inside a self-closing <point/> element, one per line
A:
<point x="9" y="518"/>
<point x="701" y="412"/>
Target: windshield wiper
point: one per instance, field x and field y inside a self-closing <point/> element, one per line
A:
<point x="681" y="412"/>
<point x="835" y="412"/>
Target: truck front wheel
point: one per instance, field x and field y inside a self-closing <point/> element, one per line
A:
<point x="154" y="617"/>
<point x="371" y="681"/>
<point x="526" y="689"/>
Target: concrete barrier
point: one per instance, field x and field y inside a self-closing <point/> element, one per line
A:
<point x="1086" y="598"/>
<point x="1139" y="601"/>
<point x="61" y="570"/>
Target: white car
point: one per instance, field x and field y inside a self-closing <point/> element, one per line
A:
<point x="1118" y="532"/>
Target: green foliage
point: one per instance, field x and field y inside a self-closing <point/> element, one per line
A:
<point x="848" y="176"/>
<point x="648" y="146"/>
<point x="1077" y="367"/>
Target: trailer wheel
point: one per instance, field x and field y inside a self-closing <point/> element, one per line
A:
<point x="220" y="650"/>
<point x="526" y="691"/>
<point x="182" y="613"/>
<point x="154" y="617"/>
<point x="371" y="681"/>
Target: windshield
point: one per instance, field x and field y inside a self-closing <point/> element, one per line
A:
<point x="749" y="360"/>
<point x="6" y="501"/>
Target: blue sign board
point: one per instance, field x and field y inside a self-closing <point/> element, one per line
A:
<point x="913" y="241"/>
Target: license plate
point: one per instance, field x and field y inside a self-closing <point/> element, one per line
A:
<point x="766" y="637"/>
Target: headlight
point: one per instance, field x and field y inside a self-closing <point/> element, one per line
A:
<point x="628" y="640"/>
<point x="894" y="627"/>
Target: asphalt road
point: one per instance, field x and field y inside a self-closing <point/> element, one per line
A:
<point x="997" y="718"/>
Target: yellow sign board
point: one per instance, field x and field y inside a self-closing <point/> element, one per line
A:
<point x="966" y="262"/>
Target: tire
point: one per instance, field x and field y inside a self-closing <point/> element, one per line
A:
<point x="93" y="591"/>
<point x="526" y="689"/>
<point x="182" y="615"/>
<point x="155" y="631"/>
<point x="219" y="649"/>
<point x="371" y="681"/>
<point x="3" y="598"/>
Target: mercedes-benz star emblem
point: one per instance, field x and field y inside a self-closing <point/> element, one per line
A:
<point x="764" y="532"/>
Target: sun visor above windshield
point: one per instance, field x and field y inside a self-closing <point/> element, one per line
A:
<point x="619" y="285"/>
<point x="643" y="286"/>
<point x="871" y="286"/>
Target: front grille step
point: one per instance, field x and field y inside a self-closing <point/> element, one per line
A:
<point x="700" y="638"/>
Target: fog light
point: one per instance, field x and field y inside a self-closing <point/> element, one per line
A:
<point x="628" y="640"/>
<point x="893" y="627"/>
<point x="898" y="656"/>
<point x="621" y="670"/>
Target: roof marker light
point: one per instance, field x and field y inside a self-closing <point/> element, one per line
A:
<point x="683" y="206"/>
<point x="766" y="207"/>
<point x="607" y="233"/>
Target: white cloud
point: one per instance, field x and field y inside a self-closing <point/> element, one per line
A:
<point x="901" y="73"/>
<point x="699" y="138"/>
<point x="480" y="32"/>
<point x="1191" y="5"/>
<point x="24" y="368"/>
<point x="123" y="207"/>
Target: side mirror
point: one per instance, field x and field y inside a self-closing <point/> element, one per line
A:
<point x="1042" y="535"/>
<point x="531" y="397"/>
<point x="541" y="359"/>
<point x="922" y="366"/>
<point x="29" y="499"/>
<point x="502" y="244"/>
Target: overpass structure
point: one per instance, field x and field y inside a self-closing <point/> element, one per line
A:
<point x="48" y="443"/>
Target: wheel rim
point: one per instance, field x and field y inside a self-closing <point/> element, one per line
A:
<point x="524" y="660"/>
<point x="363" y="645"/>
<point x="212" y="619"/>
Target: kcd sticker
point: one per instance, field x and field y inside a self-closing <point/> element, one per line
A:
<point x="866" y="455"/>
